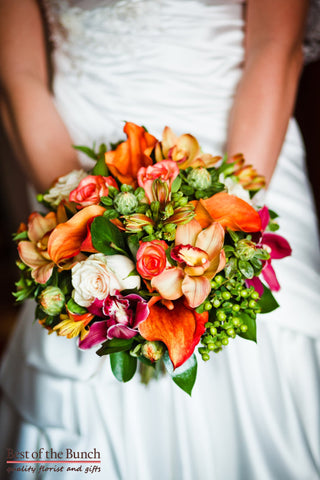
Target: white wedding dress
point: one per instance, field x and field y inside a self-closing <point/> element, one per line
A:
<point x="255" y="410"/>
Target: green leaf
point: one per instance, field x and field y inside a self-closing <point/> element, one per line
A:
<point x="100" y="167"/>
<point x="273" y="214"/>
<point x="88" y="151"/>
<point x="184" y="376"/>
<point x="115" y="345"/>
<point x="231" y="267"/>
<point x="251" y="333"/>
<point x="106" y="237"/>
<point x="123" y="366"/>
<point x="246" y="269"/>
<point x="267" y="302"/>
<point x="20" y="236"/>
<point x="176" y="184"/>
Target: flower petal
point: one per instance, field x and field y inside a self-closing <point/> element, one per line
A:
<point x="211" y="240"/>
<point x="125" y="161"/>
<point x="195" y="289"/>
<point x="187" y="234"/>
<point x="180" y="329"/>
<point x="97" y="334"/>
<point x="256" y="283"/>
<point x="280" y="247"/>
<point x="66" y="239"/>
<point x="168" y="283"/>
<point x="121" y="331"/>
<point x="38" y="225"/>
<point x="232" y="212"/>
<point x="265" y="217"/>
<point x="269" y="275"/>
<point x="43" y="273"/>
<point x="30" y="255"/>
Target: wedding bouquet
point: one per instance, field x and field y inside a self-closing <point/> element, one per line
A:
<point x="158" y="249"/>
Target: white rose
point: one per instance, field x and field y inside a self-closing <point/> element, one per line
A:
<point x="235" y="188"/>
<point x="99" y="276"/>
<point x="122" y="266"/>
<point x="63" y="186"/>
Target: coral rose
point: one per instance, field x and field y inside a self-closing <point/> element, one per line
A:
<point x="91" y="189"/>
<point x="151" y="258"/>
<point x="166" y="170"/>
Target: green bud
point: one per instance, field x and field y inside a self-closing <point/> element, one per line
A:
<point x="213" y="331"/>
<point x="125" y="203"/>
<point x="246" y="249"/>
<point x="205" y="357"/>
<point x="153" y="351"/>
<point x="199" y="178"/>
<point x="208" y="306"/>
<point x="219" y="279"/>
<point x="52" y="300"/>
<point x="226" y="295"/>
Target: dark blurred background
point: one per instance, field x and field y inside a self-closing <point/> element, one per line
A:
<point x="15" y="207"/>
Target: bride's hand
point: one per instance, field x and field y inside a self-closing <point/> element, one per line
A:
<point x="266" y="94"/>
<point x="34" y="127"/>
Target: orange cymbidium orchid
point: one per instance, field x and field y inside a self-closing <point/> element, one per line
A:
<point x="73" y="324"/>
<point x="200" y="256"/>
<point x="228" y="210"/>
<point x="34" y="252"/>
<point x="129" y="156"/>
<point x="180" y="329"/>
<point x="184" y="150"/>
<point x="66" y="239"/>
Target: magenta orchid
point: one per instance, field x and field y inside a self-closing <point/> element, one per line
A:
<point x="277" y="246"/>
<point x="121" y="314"/>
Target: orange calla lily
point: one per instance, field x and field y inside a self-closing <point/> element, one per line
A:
<point x="179" y="329"/>
<point x="125" y="161"/>
<point x="230" y="211"/>
<point x="66" y="239"/>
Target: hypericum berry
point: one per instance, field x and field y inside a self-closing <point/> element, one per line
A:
<point x="243" y="328"/>
<point x="236" y="321"/>
<point x="226" y="295"/>
<point x="211" y="346"/>
<point x="213" y="331"/>
<point x="236" y="307"/>
<point x="208" y="306"/>
<point x="205" y="357"/>
<point x="230" y="332"/>
<point x="216" y="303"/>
<point x="252" y="304"/>
<point x="225" y="341"/>
<point x="221" y="316"/>
<point x="244" y="293"/>
<point x="255" y="295"/>
<point x="219" y="279"/>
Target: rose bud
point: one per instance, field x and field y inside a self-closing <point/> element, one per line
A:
<point x="199" y="178"/>
<point x="246" y="249"/>
<point x="153" y="351"/>
<point x="125" y="203"/>
<point x="52" y="300"/>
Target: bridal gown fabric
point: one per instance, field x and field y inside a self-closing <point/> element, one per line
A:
<point x="255" y="410"/>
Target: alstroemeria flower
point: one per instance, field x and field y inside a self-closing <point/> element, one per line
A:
<point x="200" y="256"/>
<point x="277" y="246"/>
<point x="91" y="189"/>
<point x="151" y="258"/>
<point x="230" y="211"/>
<point x="184" y="150"/>
<point x="33" y="252"/>
<point x="122" y="317"/>
<point x="125" y="161"/>
<point x="166" y="170"/>
<point x="180" y="329"/>
<point x="72" y="325"/>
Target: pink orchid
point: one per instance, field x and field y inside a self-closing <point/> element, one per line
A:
<point x="121" y="317"/>
<point x="277" y="246"/>
<point x="200" y="256"/>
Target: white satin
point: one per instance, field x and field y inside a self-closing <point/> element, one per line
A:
<point x="254" y="413"/>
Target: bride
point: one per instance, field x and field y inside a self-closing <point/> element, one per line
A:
<point x="227" y="72"/>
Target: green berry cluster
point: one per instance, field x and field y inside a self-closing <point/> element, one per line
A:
<point x="230" y="304"/>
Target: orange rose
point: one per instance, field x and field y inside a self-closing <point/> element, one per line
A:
<point x="91" y="189"/>
<point x="151" y="258"/>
